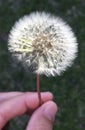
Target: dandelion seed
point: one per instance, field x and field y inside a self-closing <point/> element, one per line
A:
<point x="44" y="43"/>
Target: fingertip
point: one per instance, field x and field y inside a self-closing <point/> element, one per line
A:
<point x="47" y="95"/>
<point x="50" y="110"/>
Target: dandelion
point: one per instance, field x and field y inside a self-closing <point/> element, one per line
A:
<point x="44" y="43"/>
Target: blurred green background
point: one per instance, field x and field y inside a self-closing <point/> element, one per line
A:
<point x="69" y="88"/>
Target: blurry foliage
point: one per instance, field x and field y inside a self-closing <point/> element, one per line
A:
<point x="69" y="88"/>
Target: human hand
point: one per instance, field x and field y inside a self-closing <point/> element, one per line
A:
<point x="13" y="104"/>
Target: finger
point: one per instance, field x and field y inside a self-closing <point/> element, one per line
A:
<point x="7" y="95"/>
<point x="43" y="117"/>
<point x="20" y="104"/>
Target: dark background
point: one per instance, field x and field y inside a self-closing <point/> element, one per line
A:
<point x="69" y="88"/>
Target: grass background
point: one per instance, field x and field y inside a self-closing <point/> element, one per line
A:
<point x="69" y="88"/>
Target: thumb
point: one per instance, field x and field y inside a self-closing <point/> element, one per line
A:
<point x="43" y="117"/>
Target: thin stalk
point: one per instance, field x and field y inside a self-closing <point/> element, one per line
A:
<point x="38" y="89"/>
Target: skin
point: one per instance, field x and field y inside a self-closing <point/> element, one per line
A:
<point x="13" y="104"/>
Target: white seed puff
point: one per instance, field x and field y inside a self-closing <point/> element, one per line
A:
<point x="44" y="43"/>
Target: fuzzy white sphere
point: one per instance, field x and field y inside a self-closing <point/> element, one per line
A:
<point x="44" y="43"/>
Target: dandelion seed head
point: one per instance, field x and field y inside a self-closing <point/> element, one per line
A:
<point x="44" y="43"/>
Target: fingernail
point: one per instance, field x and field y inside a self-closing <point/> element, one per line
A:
<point x="50" y="111"/>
